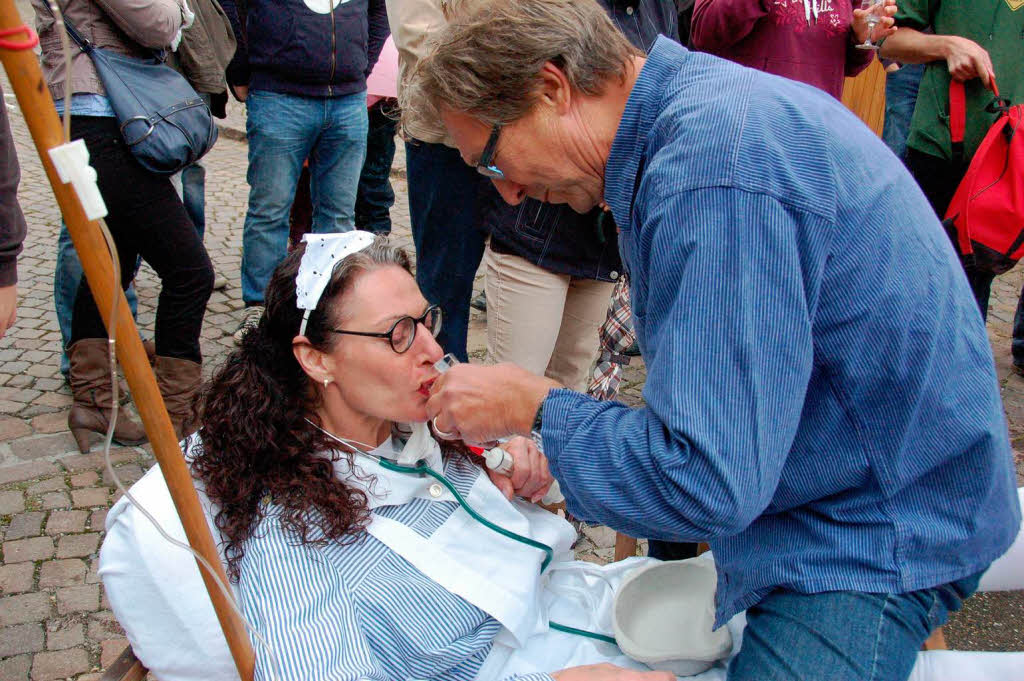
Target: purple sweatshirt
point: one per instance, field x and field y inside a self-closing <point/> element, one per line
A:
<point x="806" y="40"/>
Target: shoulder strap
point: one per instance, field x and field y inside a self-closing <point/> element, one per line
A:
<point x="957" y="118"/>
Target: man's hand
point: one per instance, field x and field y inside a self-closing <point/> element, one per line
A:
<point x="484" y="403"/>
<point x="530" y="478"/>
<point x="967" y="59"/>
<point x="240" y="92"/>
<point x="609" y="672"/>
<point x="883" y="29"/>
<point x="8" y="308"/>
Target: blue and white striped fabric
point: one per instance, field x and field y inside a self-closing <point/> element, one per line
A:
<point x="358" y="611"/>
<point x="821" y="398"/>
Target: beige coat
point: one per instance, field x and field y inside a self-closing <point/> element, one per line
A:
<point x="412" y="23"/>
<point x="124" y="26"/>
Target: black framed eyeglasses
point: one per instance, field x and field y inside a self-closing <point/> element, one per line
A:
<point x="403" y="332"/>
<point x="485" y="166"/>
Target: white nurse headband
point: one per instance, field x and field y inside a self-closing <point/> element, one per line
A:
<point x="323" y="253"/>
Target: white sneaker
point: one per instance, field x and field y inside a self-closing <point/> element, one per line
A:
<point x="250" y="320"/>
<point x="220" y="282"/>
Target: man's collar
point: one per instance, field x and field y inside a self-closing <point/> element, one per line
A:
<point x="642" y="108"/>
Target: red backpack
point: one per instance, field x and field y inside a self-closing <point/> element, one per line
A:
<point x="986" y="214"/>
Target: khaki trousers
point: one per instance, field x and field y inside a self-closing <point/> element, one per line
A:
<point x="546" y="323"/>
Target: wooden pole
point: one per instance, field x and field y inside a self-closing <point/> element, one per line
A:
<point x="37" y="106"/>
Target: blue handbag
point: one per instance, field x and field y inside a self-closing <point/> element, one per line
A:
<point x="164" y="122"/>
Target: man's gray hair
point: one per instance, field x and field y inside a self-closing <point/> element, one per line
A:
<point x="487" y="62"/>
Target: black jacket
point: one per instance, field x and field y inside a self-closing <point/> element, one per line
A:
<point x="287" y="46"/>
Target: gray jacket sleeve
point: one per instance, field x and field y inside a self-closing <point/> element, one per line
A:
<point x="12" y="222"/>
<point x="150" y="23"/>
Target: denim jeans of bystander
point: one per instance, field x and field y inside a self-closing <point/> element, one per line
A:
<point x="900" y="98"/>
<point x="376" y="196"/>
<point x="284" y="130"/>
<point x="842" y="635"/>
<point x="447" y="233"/>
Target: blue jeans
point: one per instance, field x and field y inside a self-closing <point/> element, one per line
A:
<point x="446" y="229"/>
<point x="375" y="196"/>
<point x="842" y="635"/>
<point x="284" y="130"/>
<point x="900" y="99"/>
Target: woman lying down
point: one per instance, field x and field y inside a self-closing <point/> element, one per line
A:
<point x="348" y="568"/>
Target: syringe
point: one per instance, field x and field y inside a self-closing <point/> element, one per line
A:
<point x="496" y="458"/>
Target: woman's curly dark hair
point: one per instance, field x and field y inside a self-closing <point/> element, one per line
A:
<point x="255" y="439"/>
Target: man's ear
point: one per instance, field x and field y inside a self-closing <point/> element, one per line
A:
<point x="317" y="365"/>
<point x="554" y="88"/>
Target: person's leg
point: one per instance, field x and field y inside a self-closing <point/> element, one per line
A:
<point x="169" y="243"/>
<point x="281" y="130"/>
<point x="1017" y="346"/>
<point x="445" y="230"/>
<point x="336" y="161"/>
<point x="586" y="305"/>
<point x="66" y="277"/>
<point x="901" y="88"/>
<point x="193" y="195"/>
<point x="938" y="180"/>
<point x="375" y="196"/>
<point x="842" y="635"/>
<point x="525" y="308"/>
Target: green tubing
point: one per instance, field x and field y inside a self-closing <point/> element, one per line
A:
<point x="583" y="632"/>
<point x="421" y="468"/>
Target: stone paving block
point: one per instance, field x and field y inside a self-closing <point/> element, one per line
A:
<point x="62" y="634"/>
<point x="25" y="525"/>
<point x="48" y="485"/>
<point x="66" y="522"/>
<point x="84" y="598"/>
<point x="128" y="474"/>
<point x="28" y="448"/>
<point x="90" y="497"/>
<point x="54" y="422"/>
<point x="16" y="578"/>
<point x="59" y="665"/>
<point x="85" y="479"/>
<point x="33" y="607"/>
<point x="93" y="576"/>
<point x="98" y="519"/>
<point x="110" y="650"/>
<point x="20" y="639"/>
<point x="102" y="626"/>
<point x="53" y="500"/>
<point x="11" y="502"/>
<point x="53" y="399"/>
<point x="15" y="668"/>
<point x="12" y="428"/>
<point x="77" y="545"/>
<point x="37" y="548"/>
<point x="70" y="572"/>
<point x="82" y="462"/>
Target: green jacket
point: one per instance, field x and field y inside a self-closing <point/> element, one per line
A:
<point x="996" y="25"/>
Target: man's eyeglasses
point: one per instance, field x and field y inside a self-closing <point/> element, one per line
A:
<point x="485" y="166"/>
<point x="403" y="332"/>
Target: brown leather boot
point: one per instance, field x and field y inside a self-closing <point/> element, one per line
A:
<point x="178" y="380"/>
<point x="90" y="388"/>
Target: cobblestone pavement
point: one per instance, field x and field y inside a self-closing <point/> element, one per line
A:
<point x="55" y="622"/>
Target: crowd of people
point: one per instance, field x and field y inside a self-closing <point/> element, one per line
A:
<point x="768" y="246"/>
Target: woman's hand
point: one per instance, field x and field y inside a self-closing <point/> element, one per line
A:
<point x="530" y="477"/>
<point x="609" y="672"/>
<point x="883" y="29"/>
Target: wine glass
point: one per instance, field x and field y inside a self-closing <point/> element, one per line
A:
<point x="874" y="10"/>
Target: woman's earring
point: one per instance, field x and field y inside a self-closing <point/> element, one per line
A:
<point x="327" y="382"/>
